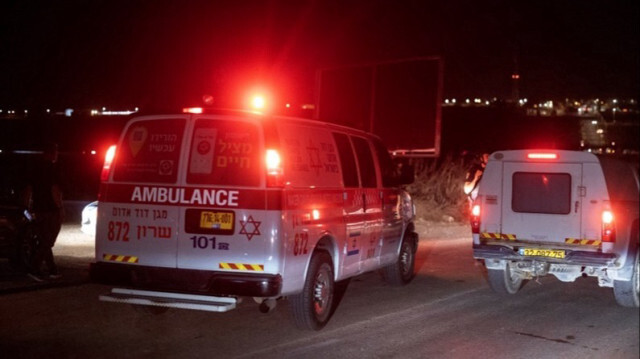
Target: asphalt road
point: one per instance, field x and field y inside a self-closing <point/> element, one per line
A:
<point x="448" y="311"/>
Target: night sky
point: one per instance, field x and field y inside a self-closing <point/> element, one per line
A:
<point x="148" y="53"/>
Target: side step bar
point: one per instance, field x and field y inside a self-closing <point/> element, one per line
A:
<point x="170" y="300"/>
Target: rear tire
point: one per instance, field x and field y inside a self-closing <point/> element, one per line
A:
<point x="626" y="293"/>
<point x="313" y="307"/>
<point x="504" y="281"/>
<point x="403" y="270"/>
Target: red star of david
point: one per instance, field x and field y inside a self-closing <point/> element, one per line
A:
<point x="254" y="232"/>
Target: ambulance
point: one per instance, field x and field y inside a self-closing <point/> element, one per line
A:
<point x="562" y="213"/>
<point x="200" y="210"/>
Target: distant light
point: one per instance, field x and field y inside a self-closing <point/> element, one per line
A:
<point x="26" y="111"/>
<point x="93" y="152"/>
<point x="287" y="105"/>
<point x="615" y="101"/>
<point x="515" y="76"/>
<point x="48" y="111"/>
<point x="467" y="101"/>
<point x="486" y="102"/>
<point x="453" y="100"/>
<point x="594" y="122"/>
<point x="446" y="101"/>
<point x="68" y="112"/>
<point x="477" y="100"/>
<point x="104" y="109"/>
<point x="599" y="131"/>
<point x="308" y="106"/>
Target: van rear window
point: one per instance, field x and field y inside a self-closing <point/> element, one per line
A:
<point x="541" y="193"/>
<point x="224" y="152"/>
<point x="150" y="151"/>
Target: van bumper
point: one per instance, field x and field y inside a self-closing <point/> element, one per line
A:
<point x="583" y="258"/>
<point x="187" y="280"/>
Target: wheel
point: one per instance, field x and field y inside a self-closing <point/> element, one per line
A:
<point x="403" y="270"/>
<point x="504" y="281"/>
<point x="626" y="293"/>
<point x="313" y="307"/>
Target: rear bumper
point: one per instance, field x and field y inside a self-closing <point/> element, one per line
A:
<point x="583" y="258"/>
<point x="187" y="280"/>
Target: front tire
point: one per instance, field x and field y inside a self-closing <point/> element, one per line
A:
<point x="504" y="281"/>
<point x="403" y="270"/>
<point x="312" y="308"/>
<point x="626" y="293"/>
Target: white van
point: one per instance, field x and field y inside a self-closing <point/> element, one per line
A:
<point x="564" y="213"/>
<point x="197" y="210"/>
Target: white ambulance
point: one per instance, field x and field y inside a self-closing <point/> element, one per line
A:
<point x="198" y="210"/>
<point x="564" y="213"/>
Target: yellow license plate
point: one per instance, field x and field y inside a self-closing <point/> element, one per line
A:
<point x="540" y="252"/>
<point x="216" y="220"/>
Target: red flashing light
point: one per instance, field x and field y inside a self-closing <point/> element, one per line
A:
<point x="608" y="228"/>
<point x="108" y="160"/>
<point x="542" y="156"/>
<point x="195" y="110"/>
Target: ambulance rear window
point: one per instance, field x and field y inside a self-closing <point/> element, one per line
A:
<point x="541" y="193"/>
<point x="224" y="152"/>
<point x="150" y="152"/>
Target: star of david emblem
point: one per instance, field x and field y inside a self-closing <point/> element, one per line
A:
<point x="248" y="223"/>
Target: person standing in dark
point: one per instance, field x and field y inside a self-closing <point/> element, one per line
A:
<point x="48" y="213"/>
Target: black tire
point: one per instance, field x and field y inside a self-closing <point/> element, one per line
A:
<point x="403" y="270"/>
<point x="626" y="293"/>
<point x="503" y="281"/>
<point x="313" y="307"/>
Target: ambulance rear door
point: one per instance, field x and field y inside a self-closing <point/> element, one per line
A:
<point x="138" y="219"/>
<point x="227" y="223"/>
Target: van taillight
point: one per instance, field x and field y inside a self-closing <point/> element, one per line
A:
<point x="608" y="228"/>
<point x="108" y="160"/>
<point x="274" y="168"/>
<point x="475" y="219"/>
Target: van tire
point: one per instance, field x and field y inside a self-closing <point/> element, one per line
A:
<point x="626" y="292"/>
<point x="313" y="307"/>
<point x="503" y="281"/>
<point x="402" y="270"/>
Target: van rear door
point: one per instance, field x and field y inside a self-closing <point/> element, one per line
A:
<point x="542" y="201"/>
<point x="138" y="220"/>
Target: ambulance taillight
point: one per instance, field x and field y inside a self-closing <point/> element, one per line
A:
<point x="274" y="168"/>
<point x="475" y="219"/>
<point x="108" y="160"/>
<point x="608" y="228"/>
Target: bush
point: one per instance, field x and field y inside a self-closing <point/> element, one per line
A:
<point x="438" y="190"/>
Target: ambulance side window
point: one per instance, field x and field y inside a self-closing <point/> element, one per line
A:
<point x="365" y="162"/>
<point x="387" y="168"/>
<point x="347" y="160"/>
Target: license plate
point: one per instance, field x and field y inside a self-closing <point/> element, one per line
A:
<point x="540" y="252"/>
<point x="216" y="220"/>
